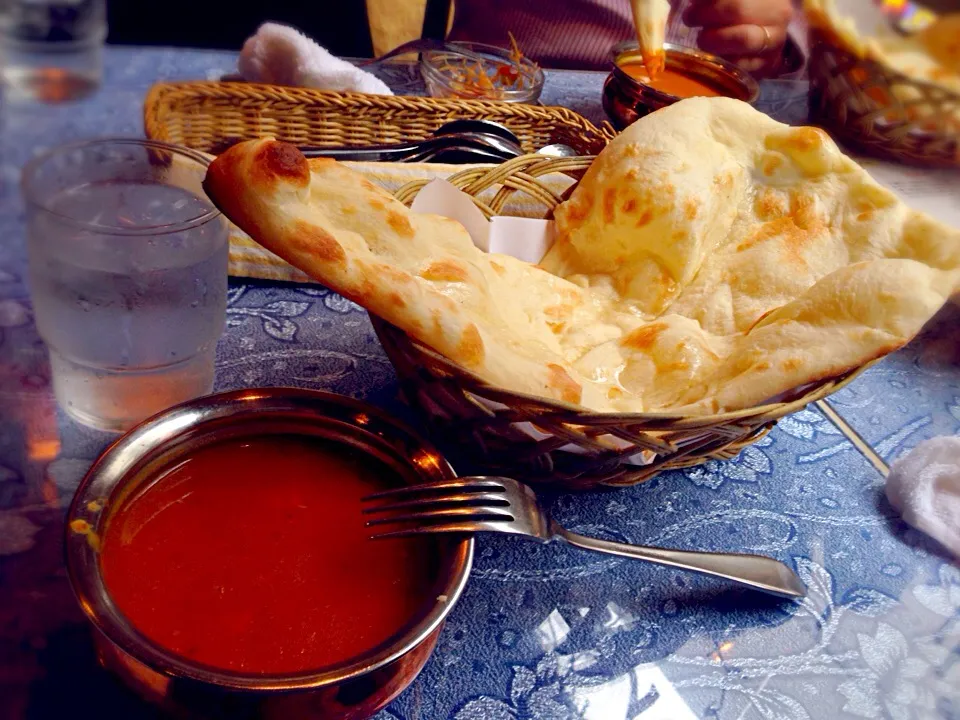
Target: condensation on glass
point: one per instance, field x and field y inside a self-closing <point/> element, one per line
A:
<point x="127" y="267"/>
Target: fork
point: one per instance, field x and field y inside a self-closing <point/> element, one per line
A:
<point x="499" y="504"/>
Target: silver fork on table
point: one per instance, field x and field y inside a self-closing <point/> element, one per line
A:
<point x="498" y="504"/>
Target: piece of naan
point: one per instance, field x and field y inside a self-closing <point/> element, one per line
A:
<point x="710" y="259"/>
<point x="650" y="20"/>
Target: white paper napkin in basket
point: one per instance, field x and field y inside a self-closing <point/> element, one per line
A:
<point x="248" y="259"/>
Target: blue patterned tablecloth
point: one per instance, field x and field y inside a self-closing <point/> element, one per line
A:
<point x="543" y="632"/>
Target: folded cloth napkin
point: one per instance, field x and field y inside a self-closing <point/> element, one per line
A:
<point x="281" y="55"/>
<point x="924" y="485"/>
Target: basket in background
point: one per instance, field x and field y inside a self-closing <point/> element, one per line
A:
<point x="879" y="111"/>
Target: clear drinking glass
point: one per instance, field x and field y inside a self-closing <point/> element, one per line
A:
<point x="128" y="276"/>
<point x="52" y="50"/>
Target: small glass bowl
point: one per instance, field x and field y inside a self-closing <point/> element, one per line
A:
<point x="447" y="73"/>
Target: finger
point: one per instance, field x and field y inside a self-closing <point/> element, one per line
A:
<point x="724" y="13"/>
<point x="741" y="40"/>
<point x="760" y="66"/>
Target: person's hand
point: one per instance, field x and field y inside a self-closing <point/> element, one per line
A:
<point x="750" y="33"/>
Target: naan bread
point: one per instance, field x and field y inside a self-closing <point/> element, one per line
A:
<point x="650" y="20"/>
<point x="489" y="313"/>
<point x="710" y="259"/>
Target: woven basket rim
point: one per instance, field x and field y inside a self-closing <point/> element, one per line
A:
<point x="233" y="88"/>
<point x="817" y="389"/>
<point x="823" y="39"/>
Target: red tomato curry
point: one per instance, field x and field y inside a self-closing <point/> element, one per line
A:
<point x="252" y="556"/>
<point x="670" y="81"/>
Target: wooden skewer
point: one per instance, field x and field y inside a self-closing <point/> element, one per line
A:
<point x="853" y="436"/>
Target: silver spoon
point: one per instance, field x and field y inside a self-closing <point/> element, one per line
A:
<point x="415" y="152"/>
<point x="558" y="150"/>
<point x="480" y="134"/>
<point x="490" y="141"/>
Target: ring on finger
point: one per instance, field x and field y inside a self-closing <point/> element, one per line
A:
<point x="767" y="40"/>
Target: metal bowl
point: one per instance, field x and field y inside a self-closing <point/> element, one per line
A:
<point x="358" y="688"/>
<point x="626" y="99"/>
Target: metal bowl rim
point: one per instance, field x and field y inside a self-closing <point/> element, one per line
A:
<point x="750" y="86"/>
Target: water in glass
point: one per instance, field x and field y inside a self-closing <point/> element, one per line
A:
<point x="52" y="50"/>
<point x="131" y="319"/>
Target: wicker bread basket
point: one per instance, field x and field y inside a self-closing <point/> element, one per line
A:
<point x="209" y="116"/>
<point x="490" y="430"/>
<point x="878" y="111"/>
<point x="483" y="429"/>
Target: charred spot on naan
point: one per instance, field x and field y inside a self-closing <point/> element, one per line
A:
<point x="274" y="161"/>
<point x="557" y="317"/>
<point x="771" y="162"/>
<point x="809" y="148"/>
<point x="558" y="312"/>
<point x="724" y="181"/>
<point x="791" y="364"/>
<point x="562" y="385"/>
<point x="396" y="299"/>
<point x="470" y="351"/>
<point x="645" y="218"/>
<point x="796" y="231"/>
<point x="644" y="337"/>
<point x="313" y="241"/>
<point x="576" y="210"/>
<point x="400" y="224"/>
<point x="445" y="270"/>
<point x="609" y="205"/>
<point x="770" y="204"/>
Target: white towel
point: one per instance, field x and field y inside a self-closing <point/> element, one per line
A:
<point x="924" y="485"/>
<point x="281" y="55"/>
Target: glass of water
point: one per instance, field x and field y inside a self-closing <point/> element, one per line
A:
<point x="128" y="276"/>
<point x="52" y="50"/>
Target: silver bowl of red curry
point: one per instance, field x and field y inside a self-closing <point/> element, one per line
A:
<point x="220" y="552"/>
<point x="629" y="93"/>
